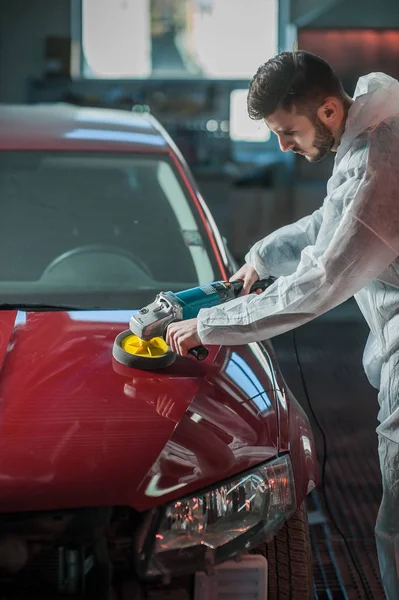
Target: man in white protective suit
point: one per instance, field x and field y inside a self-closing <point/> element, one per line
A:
<point x="348" y="247"/>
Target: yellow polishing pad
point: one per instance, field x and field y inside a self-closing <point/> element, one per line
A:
<point x="151" y="349"/>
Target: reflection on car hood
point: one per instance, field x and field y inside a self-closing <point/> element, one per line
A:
<point x="79" y="429"/>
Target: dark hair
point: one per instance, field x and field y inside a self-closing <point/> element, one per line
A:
<point x="291" y="78"/>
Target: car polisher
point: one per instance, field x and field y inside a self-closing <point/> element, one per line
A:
<point x="143" y="345"/>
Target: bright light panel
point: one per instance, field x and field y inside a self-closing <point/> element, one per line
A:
<point x="242" y="128"/>
<point x="219" y="39"/>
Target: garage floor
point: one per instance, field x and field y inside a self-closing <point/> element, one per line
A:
<point x="345" y="406"/>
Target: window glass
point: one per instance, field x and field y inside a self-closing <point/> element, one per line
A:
<point x="97" y="226"/>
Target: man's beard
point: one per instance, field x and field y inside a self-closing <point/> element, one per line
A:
<point x="323" y="142"/>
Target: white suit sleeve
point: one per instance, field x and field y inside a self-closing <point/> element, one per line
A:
<point x="364" y="244"/>
<point x="280" y="252"/>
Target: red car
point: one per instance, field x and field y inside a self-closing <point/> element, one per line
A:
<point x="118" y="482"/>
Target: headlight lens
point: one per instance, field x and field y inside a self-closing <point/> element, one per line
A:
<point x="254" y="503"/>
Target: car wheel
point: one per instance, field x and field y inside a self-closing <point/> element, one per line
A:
<point x="289" y="558"/>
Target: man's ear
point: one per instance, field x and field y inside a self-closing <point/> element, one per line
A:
<point x="329" y="111"/>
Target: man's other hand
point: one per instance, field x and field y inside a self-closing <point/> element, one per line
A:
<point x="249" y="275"/>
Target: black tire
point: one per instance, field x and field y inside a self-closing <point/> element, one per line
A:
<point x="289" y="558"/>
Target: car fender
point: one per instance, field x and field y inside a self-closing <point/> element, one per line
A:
<point x="302" y="450"/>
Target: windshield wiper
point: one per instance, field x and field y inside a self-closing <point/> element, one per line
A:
<point x="32" y="306"/>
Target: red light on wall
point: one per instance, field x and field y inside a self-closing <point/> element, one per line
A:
<point x="354" y="52"/>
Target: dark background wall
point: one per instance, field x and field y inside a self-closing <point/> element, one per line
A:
<point x="24" y="26"/>
<point x="344" y="13"/>
<point x="359" y="13"/>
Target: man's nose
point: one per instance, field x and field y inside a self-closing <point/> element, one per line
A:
<point x="285" y="145"/>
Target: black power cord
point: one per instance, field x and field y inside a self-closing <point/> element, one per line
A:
<point x="323" y="468"/>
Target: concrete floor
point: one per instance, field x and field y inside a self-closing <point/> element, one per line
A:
<point x="345" y="405"/>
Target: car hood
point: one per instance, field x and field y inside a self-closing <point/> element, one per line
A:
<point x="79" y="429"/>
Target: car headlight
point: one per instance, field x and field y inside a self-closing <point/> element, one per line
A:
<point x="210" y="526"/>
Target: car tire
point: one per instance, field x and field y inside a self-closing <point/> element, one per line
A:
<point x="289" y="558"/>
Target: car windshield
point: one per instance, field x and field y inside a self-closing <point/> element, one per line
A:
<point x="96" y="230"/>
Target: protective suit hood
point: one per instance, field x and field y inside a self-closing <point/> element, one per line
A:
<point x="376" y="99"/>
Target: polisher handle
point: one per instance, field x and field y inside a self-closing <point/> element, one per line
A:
<point x="200" y="352"/>
<point x="262" y="284"/>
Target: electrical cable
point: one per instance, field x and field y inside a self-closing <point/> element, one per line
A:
<point x="323" y="468"/>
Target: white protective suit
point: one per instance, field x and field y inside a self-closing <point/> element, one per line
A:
<point x="347" y="247"/>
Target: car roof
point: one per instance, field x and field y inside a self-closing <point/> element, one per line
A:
<point x="68" y="127"/>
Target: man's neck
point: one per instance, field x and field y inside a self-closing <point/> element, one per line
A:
<point x="347" y="103"/>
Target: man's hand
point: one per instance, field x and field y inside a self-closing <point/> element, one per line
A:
<point x="249" y="275"/>
<point x="182" y="336"/>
